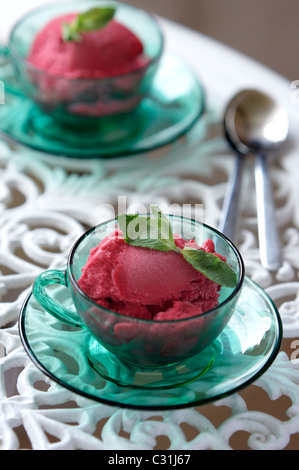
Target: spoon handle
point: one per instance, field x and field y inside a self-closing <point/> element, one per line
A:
<point x="269" y="242"/>
<point x="229" y="214"/>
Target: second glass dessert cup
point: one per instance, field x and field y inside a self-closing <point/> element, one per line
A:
<point x="96" y="118"/>
<point x="82" y="101"/>
<point x="128" y="346"/>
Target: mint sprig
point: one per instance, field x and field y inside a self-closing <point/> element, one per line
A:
<point x="154" y="232"/>
<point x="211" y="266"/>
<point x="92" y="20"/>
<point x="148" y="232"/>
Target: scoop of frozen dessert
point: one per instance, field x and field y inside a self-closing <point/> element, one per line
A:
<point x="147" y="283"/>
<point x="110" y="51"/>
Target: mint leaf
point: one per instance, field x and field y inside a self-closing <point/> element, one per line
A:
<point x="161" y="227"/>
<point x="92" y="20"/>
<point x="123" y="221"/>
<point x="148" y="232"/>
<point x="211" y="266"/>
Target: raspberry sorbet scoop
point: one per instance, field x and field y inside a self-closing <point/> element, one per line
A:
<point x="107" y="52"/>
<point x="146" y="283"/>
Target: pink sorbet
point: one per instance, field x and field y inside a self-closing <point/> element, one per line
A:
<point x="146" y="283"/>
<point x="110" y="51"/>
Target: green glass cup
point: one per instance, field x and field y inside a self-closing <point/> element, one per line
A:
<point x="132" y="341"/>
<point x="82" y="101"/>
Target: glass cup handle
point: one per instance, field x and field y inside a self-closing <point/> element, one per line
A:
<point x="54" y="276"/>
<point x="7" y="75"/>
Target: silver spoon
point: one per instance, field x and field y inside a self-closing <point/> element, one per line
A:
<point x="255" y="124"/>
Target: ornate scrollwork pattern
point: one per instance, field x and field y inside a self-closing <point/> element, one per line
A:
<point x="46" y="203"/>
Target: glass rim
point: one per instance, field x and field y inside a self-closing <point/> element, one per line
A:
<point x="14" y="53"/>
<point x="234" y="292"/>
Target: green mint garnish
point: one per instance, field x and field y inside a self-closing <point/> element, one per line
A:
<point x="147" y="232"/>
<point x="92" y="20"/>
<point x="211" y="266"/>
<point x="155" y="233"/>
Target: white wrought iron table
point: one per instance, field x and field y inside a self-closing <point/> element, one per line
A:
<point x="46" y="203"/>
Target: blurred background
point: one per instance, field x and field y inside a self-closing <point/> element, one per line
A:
<point x="266" y="30"/>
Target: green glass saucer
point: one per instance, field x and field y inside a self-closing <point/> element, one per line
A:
<point x="69" y="356"/>
<point x="174" y="104"/>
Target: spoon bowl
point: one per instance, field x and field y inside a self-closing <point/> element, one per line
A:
<point x="256" y="124"/>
